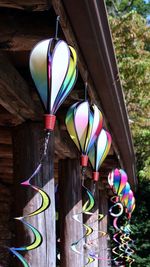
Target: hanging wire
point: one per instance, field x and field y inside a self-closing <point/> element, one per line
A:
<point x="57" y="27"/>
<point x="85" y="91"/>
<point x="94" y="189"/>
<point x="86" y="85"/>
<point x="44" y="153"/>
<point x="46" y="142"/>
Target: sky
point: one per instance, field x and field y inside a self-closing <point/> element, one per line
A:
<point x="147" y="1"/>
<point x="148" y="17"/>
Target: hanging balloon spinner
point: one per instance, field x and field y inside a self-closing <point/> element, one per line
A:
<point x="53" y="69"/>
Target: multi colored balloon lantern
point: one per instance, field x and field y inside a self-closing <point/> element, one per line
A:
<point x="124" y="198"/>
<point x="117" y="180"/>
<point x="99" y="151"/>
<point x="53" y="69"/>
<point x="84" y="124"/>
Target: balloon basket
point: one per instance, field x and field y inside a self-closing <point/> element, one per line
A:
<point x="95" y="176"/>
<point x="49" y="121"/>
<point x="84" y="160"/>
<point x="128" y="216"/>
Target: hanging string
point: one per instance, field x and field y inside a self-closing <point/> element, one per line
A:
<point x="85" y="91"/>
<point x="57" y="28"/>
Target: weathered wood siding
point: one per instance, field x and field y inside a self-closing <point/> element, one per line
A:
<point x="70" y="204"/>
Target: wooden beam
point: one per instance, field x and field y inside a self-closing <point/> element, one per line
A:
<point x="27" y="151"/>
<point x="103" y="226"/>
<point x="5" y="224"/>
<point x="30" y="5"/>
<point x="6" y="162"/>
<point x="7" y="119"/>
<point x="6" y="179"/>
<point x="20" y="31"/>
<point x="70" y="204"/>
<point x="64" y="147"/>
<point x="5" y="136"/>
<point x="6" y="169"/>
<point x="14" y="92"/>
<point x="6" y="152"/>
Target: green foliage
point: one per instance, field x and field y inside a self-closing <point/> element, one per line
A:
<point x="121" y="7"/>
<point x="142" y="145"/>
<point x="131" y="38"/>
<point x="130" y="34"/>
<point x="141" y="225"/>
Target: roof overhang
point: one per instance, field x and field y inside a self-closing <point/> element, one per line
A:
<point x="90" y="25"/>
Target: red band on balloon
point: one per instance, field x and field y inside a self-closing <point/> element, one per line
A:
<point x="84" y="160"/>
<point x="49" y="120"/>
<point x="129" y="216"/>
<point x="95" y="176"/>
<point x="117" y="199"/>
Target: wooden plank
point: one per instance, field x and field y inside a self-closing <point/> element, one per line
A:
<point x="6" y="178"/>
<point x="5" y="136"/>
<point x="5" y="224"/>
<point x="26" y="158"/>
<point x="92" y="241"/>
<point x="103" y="226"/>
<point x="14" y="92"/>
<point x="70" y="204"/>
<point x="15" y="35"/>
<point x="6" y="162"/>
<point x="7" y="119"/>
<point x="29" y="5"/>
<point x="6" y="169"/>
<point x="6" y="151"/>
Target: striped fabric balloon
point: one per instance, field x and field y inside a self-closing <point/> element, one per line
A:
<point x="130" y="197"/>
<point x="124" y="197"/>
<point x="53" y="69"/>
<point x="117" y="179"/>
<point x="130" y="205"/>
<point x="99" y="151"/>
<point x="84" y="124"/>
<point x="125" y="194"/>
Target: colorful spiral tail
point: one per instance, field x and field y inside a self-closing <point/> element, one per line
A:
<point x="44" y="205"/>
<point x="86" y="209"/>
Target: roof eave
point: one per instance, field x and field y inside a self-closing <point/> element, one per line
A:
<point x="90" y="24"/>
